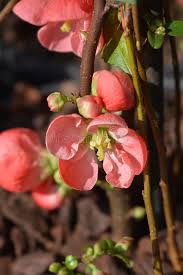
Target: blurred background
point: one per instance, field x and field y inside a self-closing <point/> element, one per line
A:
<point x="31" y="238"/>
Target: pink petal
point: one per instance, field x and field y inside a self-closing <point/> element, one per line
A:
<point x="134" y="145"/>
<point x="47" y="195"/>
<point x="40" y="12"/>
<point x="51" y="37"/>
<point x="80" y="172"/>
<point x="86" y="5"/>
<point x="64" y="135"/>
<point x="116" y="126"/>
<point x="78" y="38"/>
<point x="119" y="172"/>
<point x="20" y="151"/>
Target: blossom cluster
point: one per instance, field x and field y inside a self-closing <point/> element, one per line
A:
<point x="83" y="143"/>
<point x="21" y="169"/>
<point x="98" y="134"/>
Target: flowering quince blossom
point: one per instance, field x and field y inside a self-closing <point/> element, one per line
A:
<point x="47" y="195"/>
<point x="65" y="23"/>
<point x="115" y="89"/>
<point x="20" y="150"/>
<point x="74" y="142"/>
<point x="89" y="106"/>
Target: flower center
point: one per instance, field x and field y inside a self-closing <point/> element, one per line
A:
<point x="66" y="26"/>
<point x="100" y="141"/>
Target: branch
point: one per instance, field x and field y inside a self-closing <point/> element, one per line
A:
<point x="7" y="9"/>
<point x="157" y="265"/>
<point x="89" y="51"/>
<point x="176" y="72"/>
<point x="164" y="182"/>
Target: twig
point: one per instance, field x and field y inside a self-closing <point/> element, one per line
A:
<point x="135" y="17"/>
<point x="164" y="183"/>
<point x="176" y="72"/>
<point x="89" y="51"/>
<point x="7" y="9"/>
<point x="157" y="265"/>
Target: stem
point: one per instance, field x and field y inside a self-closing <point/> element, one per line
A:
<point x="164" y="183"/>
<point x="89" y="51"/>
<point x="7" y="9"/>
<point x="165" y="189"/>
<point x="135" y="16"/>
<point x="157" y="265"/>
<point x="176" y="72"/>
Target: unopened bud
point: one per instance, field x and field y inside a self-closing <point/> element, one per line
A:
<point x="56" y="101"/>
<point x="115" y="90"/>
<point x="89" y="106"/>
<point x="71" y="262"/>
<point x="138" y="213"/>
<point x="55" y="267"/>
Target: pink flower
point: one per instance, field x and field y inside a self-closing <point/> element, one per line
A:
<point x="89" y="106"/>
<point x="19" y="160"/>
<point x="74" y="142"/>
<point x="115" y="89"/>
<point x="47" y="195"/>
<point x="64" y="22"/>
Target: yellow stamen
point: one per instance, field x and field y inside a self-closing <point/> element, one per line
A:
<point x="66" y="27"/>
<point x="101" y="142"/>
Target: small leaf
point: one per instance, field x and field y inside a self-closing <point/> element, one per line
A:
<point x="115" y="51"/>
<point x="155" y="40"/>
<point x="119" y="56"/>
<point x="175" y="28"/>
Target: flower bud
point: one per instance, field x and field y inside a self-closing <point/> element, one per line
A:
<point x="71" y="262"/>
<point x="115" y="89"/>
<point x="89" y="106"/>
<point x="20" y="151"/>
<point x="55" y="267"/>
<point x="138" y="213"/>
<point x="56" y="101"/>
<point x="47" y="195"/>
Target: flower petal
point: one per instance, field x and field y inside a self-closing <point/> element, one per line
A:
<point x="79" y="37"/>
<point x="134" y="145"/>
<point x="119" y="173"/>
<point x="47" y="195"/>
<point x="116" y="125"/>
<point x="64" y="135"/>
<point x="51" y="37"/>
<point x="20" y="151"/>
<point x="43" y="11"/>
<point x="80" y="172"/>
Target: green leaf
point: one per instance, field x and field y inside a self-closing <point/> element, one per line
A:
<point x="175" y="28"/>
<point x="155" y="40"/>
<point x="115" y="51"/>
